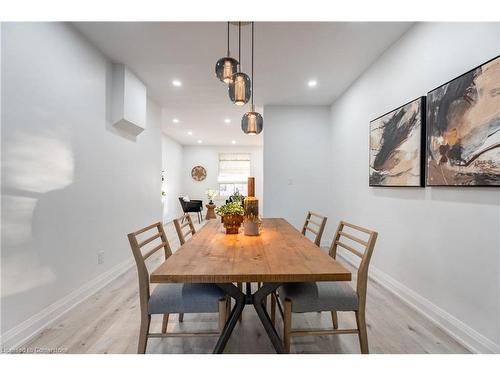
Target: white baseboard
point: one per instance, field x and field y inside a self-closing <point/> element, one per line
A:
<point x="171" y="219"/>
<point x="20" y="334"/>
<point x="468" y="337"/>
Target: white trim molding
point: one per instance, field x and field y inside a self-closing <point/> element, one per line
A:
<point x="25" y="331"/>
<point x="465" y="335"/>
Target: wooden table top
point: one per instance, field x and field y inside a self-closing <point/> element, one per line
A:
<point x="280" y="254"/>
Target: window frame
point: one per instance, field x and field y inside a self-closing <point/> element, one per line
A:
<point x="243" y="156"/>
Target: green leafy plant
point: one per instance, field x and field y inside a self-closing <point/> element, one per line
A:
<point x="233" y="208"/>
<point x="237" y="197"/>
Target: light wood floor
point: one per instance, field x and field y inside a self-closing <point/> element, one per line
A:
<point x="108" y="322"/>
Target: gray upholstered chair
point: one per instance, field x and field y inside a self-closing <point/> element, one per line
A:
<point x="330" y="296"/>
<point x="168" y="299"/>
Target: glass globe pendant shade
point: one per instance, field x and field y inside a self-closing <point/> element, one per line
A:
<point x="252" y="122"/>
<point x="240" y="88"/>
<point x="225" y="68"/>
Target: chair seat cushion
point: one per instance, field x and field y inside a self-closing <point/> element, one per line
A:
<point x="185" y="298"/>
<point x="320" y="296"/>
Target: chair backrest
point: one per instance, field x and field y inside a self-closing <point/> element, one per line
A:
<point x="183" y="203"/>
<point x="181" y="223"/>
<point x="155" y="241"/>
<point x="315" y="224"/>
<point x="360" y="242"/>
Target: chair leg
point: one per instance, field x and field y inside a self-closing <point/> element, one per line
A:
<point x="222" y="313"/>
<point x="273" y="309"/>
<point x="143" y="333"/>
<point x="199" y="217"/>
<point x="335" y="320"/>
<point x="228" y="307"/>
<point x="362" y="334"/>
<point x="182" y="221"/>
<point x="164" y="323"/>
<point x="287" y="325"/>
<point x="181" y="317"/>
<point x="240" y="287"/>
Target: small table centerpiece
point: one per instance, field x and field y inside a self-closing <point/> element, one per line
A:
<point x="232" y="216"/>
<point x="252" y="222"/>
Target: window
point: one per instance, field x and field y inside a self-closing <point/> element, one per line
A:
<point x="234" y="170"/>
<point x="226" y="190"/>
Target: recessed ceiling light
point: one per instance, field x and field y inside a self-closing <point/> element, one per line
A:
<point x="312" y="83"/>
<point x="227" y="120"/>
<point x="233" y="142"/>
<point x="176" y="83"/>
<point x="190" y="132"/>
<point x="175" y="120"/>
<point x="199" y="141"/>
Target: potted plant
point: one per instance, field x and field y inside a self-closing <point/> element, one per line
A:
<point x="236" y="197"/>
<point x="232" y="216"/>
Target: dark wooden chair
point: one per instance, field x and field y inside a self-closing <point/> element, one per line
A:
<point x="193" y="205"/>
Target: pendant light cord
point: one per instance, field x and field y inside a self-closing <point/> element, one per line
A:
<point x="239" y="46"/>
<point x="252" y="65"/>
<point x="228" y="53"/>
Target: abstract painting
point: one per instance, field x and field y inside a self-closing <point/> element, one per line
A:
<point x="396" y="146"/>
<point x="463" y="129"/>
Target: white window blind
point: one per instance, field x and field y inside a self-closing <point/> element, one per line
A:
<point x="234" y="167"/>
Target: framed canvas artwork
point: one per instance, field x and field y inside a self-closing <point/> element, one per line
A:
<point x="463" y="129"/>
<point x="396" y="146"/>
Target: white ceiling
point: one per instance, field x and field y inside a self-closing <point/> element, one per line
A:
<point x="287" y="56"/>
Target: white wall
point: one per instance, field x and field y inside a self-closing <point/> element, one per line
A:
<point x="297" y="165"/>
<point x="442" y="244"/>
<point x="208" y="157"/>
<point x="71" y="184"/>
<point x="172" y="153"/>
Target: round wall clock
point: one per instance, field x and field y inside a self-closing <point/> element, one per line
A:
<point x="198" y="173"/>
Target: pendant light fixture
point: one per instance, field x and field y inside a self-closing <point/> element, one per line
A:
<point x="226" y="66"/>
<point x="240" y="85"/>
<point x="252" y="122"/>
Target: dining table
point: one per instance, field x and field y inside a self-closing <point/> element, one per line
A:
<point x="279" y="254"/>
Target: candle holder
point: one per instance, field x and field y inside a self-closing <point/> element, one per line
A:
<point x="252" y="222"/>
